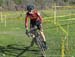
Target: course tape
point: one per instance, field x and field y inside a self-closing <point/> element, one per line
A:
<point x="64" y="6"/>
<point x="70" y="19"/>
<point x="66" y="33"/>
<point x="58" y="24"/>
<point x="60" y="16"/>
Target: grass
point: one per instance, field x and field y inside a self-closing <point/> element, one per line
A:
<point x="14" y="42"/>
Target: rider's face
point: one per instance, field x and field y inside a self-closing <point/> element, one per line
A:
<point x="30" y="11"/>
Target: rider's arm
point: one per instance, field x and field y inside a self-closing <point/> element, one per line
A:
<point x="26" y="22"/>
<point x="40" y="17"/>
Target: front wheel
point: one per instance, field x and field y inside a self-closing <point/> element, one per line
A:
<point x="41" y="45"/>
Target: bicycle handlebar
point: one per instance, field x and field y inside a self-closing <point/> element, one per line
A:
<point x="31" y="31"/>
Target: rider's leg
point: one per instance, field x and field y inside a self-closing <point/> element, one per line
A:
<point x="42" y="34"/>
<point x="39" y="26"/>
<point x="44" y="39"/>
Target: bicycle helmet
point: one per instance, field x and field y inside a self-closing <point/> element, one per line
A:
<point x="30" y="7"/>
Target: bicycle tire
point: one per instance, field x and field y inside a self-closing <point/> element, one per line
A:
<point x="40" y="43"/>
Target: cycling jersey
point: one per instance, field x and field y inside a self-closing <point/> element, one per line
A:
<point x="33" y="16"/>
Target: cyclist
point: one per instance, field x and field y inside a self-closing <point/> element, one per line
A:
<point x="35" y="20"/>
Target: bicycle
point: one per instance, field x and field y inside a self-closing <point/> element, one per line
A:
<point x="38" y="40"/>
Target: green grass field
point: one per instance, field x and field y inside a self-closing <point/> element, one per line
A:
<point x="14" y="42"/>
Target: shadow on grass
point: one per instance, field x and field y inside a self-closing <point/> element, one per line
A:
<point x="16" y="50"/>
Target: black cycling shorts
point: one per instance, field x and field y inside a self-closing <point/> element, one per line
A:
<point x="35" y="23"/>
